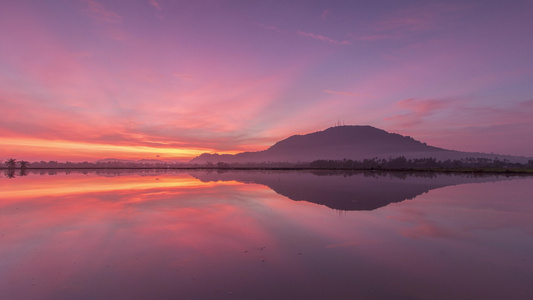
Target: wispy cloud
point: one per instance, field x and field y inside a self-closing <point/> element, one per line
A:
<point x="418" y="109"/>
<point x="81" y="54"/>
<point x="98" y="12"/>
<point x="325" y="14"/>
<point x="154" y="4"/>
<point x="116" y="33"/>
<point x="322" y="38"/>
<point x="407" y="22"/>
<point x="374" y="37"/>
<point x="182" y="76"/>
<point x="411" y="20"/>
<point x="349" y="94"/>
<point x="269" y="27"/>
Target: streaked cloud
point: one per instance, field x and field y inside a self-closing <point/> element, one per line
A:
<point x="418" y="109"/>
<point x="155" y="4"/>
<point x="325" y="14"/>
<point x="349" y="94"/>
<point x="322" y="38"/>
<point x="98" y="12"/>
<point x="270" y="27"/>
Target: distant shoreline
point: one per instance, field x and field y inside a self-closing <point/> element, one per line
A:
<point x="432" y="170"/>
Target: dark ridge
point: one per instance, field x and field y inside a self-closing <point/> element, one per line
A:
<point x="344" y="142"/>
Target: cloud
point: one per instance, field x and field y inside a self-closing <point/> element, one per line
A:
<point x="407" y="22"/>
<point x="458" y="124"/>
<point x="325" y="14"/>
<point x="82" y="54"/>
<point x="154" y="4"/>
<point x="374" y="37"/>
<point x="101" y="14"/>
<point x="183" y="76"/>
<point x="411" y="20"/>
<point x="418" y="110"/>
<point x="344" y="93"/>
<point x="269" y="27"/>
<point x="322" y="38"/>
<point x="116" y="34"/>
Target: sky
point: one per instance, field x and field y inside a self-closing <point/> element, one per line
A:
<point x="82" y="80"/>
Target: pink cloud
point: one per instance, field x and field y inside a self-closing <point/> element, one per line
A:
<point x="155" y="4"/>
<point x="349" y="94"/>
<point x="418" y="110"/>
<point x="412" y="20"/>
<point x="325" y="14"/>
<point x="270" y="27"/>
<point x="116" y="34"/>
<point x="182" y="76"/>
<point x="98" y="12"/>
<point x="322" y="38"/>
<point x="373" y="37"/>
<point x="405" y="22"/>
<point x="424" y="107"/>
<point x="466" y="127"/>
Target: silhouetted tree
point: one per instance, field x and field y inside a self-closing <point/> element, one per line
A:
<point x="222" y="165"/>
<point x="11" y="163"/>
<point x="24" y="164"/>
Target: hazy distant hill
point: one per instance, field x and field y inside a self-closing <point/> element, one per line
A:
<point x="340" y="142"/>
<point x="143" y="161"/>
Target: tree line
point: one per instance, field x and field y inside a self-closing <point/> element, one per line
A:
<point x="397" y="163"/>
<point x="430" y="163"/>
<point x="12" y="163"/>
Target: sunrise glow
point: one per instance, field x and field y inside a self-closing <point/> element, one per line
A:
<point x="85" y="80"/>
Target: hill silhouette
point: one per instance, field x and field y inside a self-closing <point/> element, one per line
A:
<point x="344" y="142"/>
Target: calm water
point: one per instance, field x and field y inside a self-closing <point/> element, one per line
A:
<point x="265" y="235"/>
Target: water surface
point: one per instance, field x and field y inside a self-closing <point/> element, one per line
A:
<point x="264" y="235"/>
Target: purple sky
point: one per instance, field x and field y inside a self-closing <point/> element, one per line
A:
<point x="88" y="79"/>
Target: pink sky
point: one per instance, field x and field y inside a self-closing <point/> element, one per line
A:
<point x="89" y="79"/>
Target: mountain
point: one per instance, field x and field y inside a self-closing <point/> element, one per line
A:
<point x="340" y="142"/>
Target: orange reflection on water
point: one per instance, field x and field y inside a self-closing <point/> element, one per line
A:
<point x="135" y="232"/>
<point x="63" y="184"/>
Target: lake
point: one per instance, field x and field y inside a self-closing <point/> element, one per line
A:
<point x="164" y="234"/>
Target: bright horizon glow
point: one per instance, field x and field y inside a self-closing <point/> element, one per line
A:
<point x="79" y="150"/>
<point x="85" y="80"/>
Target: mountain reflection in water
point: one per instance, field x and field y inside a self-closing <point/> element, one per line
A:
<point x="342" y="190"/>
<point x="158" y="234"/>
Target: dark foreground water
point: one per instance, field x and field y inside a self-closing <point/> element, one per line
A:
<point x="264" y="235"/>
